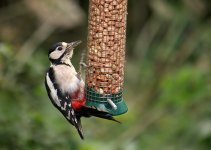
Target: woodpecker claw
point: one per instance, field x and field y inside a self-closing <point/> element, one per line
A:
<point x="83" y="65"/>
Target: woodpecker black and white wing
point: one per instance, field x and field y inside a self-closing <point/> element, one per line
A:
<point x="61" y="101"/>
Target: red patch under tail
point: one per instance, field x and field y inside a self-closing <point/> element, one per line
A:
<point x="77" y="100"/>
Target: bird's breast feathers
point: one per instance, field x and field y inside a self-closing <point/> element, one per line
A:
<point x="66" y="79"/>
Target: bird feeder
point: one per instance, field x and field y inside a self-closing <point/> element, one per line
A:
<point x="106" y="55"/>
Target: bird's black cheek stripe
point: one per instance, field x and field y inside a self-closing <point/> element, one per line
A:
<point x="60" y="58"/>
<point x="55" y="61"/>
<point x="58" y="61"/>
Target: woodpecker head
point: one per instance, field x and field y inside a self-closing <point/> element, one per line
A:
<point x="62" y="52"/>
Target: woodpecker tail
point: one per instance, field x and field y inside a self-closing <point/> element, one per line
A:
<point x="79" y="127"/>
<point x="92" y="111"/>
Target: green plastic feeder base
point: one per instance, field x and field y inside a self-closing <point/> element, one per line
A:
<point x="101" y="102"/>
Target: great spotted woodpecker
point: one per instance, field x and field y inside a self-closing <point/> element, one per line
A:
<point x="65" y="87"/>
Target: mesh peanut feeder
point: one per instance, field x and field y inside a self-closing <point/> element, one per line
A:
<point x="106" y="55"/>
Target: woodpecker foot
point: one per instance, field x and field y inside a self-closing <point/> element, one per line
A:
<point x="83" y="65"/>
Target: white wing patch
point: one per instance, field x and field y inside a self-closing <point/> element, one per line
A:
<point x="53" y="91"/>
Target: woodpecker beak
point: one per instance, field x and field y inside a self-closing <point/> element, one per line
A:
<point x="70" y="47"/>
<point x="74" y="44"/>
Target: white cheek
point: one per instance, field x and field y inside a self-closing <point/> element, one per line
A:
<point x="56" y="54"/>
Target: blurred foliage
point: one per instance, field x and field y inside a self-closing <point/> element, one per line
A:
<point x="167" y="77"/>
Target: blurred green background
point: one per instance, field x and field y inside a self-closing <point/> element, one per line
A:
<point x="167" y="77"/>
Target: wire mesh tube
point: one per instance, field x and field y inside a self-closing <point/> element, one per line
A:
<point x="106" y="55"/>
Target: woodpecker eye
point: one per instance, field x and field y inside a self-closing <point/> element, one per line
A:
<point x="59" y="48"/>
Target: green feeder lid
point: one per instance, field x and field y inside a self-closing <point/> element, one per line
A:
<point x="112" y="103"/>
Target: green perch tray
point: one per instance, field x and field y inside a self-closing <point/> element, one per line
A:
<point x="101" y="102"/>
